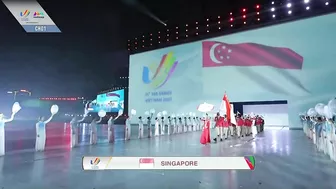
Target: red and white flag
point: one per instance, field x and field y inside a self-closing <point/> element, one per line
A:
<point x="227" y="108"/>
<point x="264" y="68"/>
<point x="146" y="163"/>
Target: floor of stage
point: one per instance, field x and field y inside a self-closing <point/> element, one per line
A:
<point x="284" y="159"/>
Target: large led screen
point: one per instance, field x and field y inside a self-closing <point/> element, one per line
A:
<point x="110" y="102"/>
<point x="294" y="61"/>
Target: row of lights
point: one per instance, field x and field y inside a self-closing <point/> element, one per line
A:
<point x="289" y="6"/>
<point x="243" y="17"/>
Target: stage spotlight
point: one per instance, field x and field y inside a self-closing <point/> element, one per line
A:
<point x="257" y="6"/>
<point x="218" y="17"/>
<point x="273" y="15"/>
<point x="186" y="35"/>
<point x="272" y="9"/>
<point x="176" y="32"/>
<point x="196" y="28"/>
<point x="207" y="25"/>
<point x="244" y="10"/>
<point x="167" y="39"/>
<point x="143" y="46"/>
<point x="186" y="24"/>
<point x="136" y="48"/>
<point x="159" y="37"/>
<point x="159" y="42"/>
<point x="231" y="25"/>
<point x="207" y="31"/>
<point x="143" y="41"/>
<point x="150" y="34"/>
<point x="167" y="34"/>
<point x="307" y="8"/>
<point x="143" y="36"/>
<point x="207" y="19"/>
<point x="186" y="30"/>
<point x="176" y="37"/>
<point x="219" y="28"/>
<point x="306" y="1"/>
<point x="231" y="19"/>
<point x="158" y="32"/>
<point x="272" y="2"/>
<point x="176" y="27"/>
<point x="258" y="13"/>
<point x="196" y="22"/>
<point x="258" y="19"/>
<point x="244" y="22"/>
<point x="196" y="33"/>
<point x="289" y="12"/>
<point x="167" y="29"/>
<point x="289" y="5"/>
<point x="327" y="3"/>
<point x="218" y="22"/>
<point x="244" y="16"/>
<point x="230" y="13"/>
<point x="136" y="38"/>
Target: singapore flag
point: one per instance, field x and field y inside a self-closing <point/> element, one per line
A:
<point x="251" y="69"/>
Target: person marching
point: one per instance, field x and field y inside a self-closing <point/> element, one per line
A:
<point x="240" y="126"/>
<point x="110" y="125"/>
<point x="140" y="135"/>
<point x="218" y="125"/>
<point x="225" y="127"/>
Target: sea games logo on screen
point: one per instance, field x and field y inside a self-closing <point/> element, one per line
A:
<point x="161" y="73"/>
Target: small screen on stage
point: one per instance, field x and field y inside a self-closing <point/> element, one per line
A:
<point x="109" y="102"/>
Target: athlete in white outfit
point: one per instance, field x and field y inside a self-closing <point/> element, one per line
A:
<point x="2" y="130"/>
<point x="174" y="125"/>
<point x="149" y="125"/>
<point x="157" y="127"/>
<point x="185" y="125"/>
<point x="93" y="129"/>
<point x="163" y="125"/>
<point x="169" y="125"/>
<point x="140" y="135"/>
<point x="128" y="128"/>
<point x="189" y="124"/>
<point x="110" y="125"/>
<point x="74" y="130"/>
<point x="41" y="133"/>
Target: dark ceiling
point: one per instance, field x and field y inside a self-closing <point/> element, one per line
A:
<point x="108" y="24"/>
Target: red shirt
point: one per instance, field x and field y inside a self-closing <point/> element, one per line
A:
<point x="248" y="122"/>
<point x="226" y="123"/>
<point x="217" y="120"/>
<point x="258" y="121"/>
<point x="240" y="122"/>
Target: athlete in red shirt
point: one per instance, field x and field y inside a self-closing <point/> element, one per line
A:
<point x="240" y="125"/>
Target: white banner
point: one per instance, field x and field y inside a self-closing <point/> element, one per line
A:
<point x="169" y="163"/>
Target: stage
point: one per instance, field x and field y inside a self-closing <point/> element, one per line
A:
<point x="284" y="159"/>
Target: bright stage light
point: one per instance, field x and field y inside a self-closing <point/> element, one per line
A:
<point x="207" y="31"/>
<point x="231" y="25"/>
<point x="207" y="25"/>
<point x="218" y="17"/>
<point x="272" y="2"/>
<point x="186" y="35"/>
<point x="327" y="3"/>
<point x="186" y="30"/>
<point x="218" y="22"/>
<point x="244" y="16"/>
<point x="196" y="22"/>
<point x="306" y="1"/>
<point x="231" y="19"/>
<point x="230" y="13"/>
<point x="272" y="9"/>
<point x="290" y="12"/>
<point x="196" y="28"/>
<point x="258" y="19"/>
<point x="207" y="19"/>
<point x="273" y="16"/>
<point x="257" y="6"/>
<point x="258" y="13"/>
<point x="289" y="5"/>
<point x="244" y="22"/>
<point x="219" y="28"/>
<point x="244" y="10"/>
<point x="307" y="8"/>
<point x="196" y="33"/>
<point x="186" y="24"/>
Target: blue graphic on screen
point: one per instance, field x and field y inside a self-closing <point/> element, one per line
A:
<point x="110" y="102"/>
